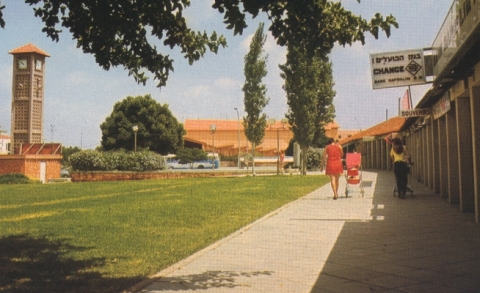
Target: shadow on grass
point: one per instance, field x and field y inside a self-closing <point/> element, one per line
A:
<point x="206" y="280"/>
<point x="30" y="264"/>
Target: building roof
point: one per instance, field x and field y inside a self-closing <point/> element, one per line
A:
<point x="204" y="124"/>
<point x="4" y="136"/>
<point x="391" y="125"/>
<point x="29" y="48"/>
<point x="345" y="133"/>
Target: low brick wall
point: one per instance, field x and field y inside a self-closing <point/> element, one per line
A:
<point x="228" y="164"/>
<point x="121" y="176"/>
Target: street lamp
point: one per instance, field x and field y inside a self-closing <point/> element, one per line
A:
<point x="238" y="119"/>
<point x="135" y="130"/>
<point x="213" y="127"/>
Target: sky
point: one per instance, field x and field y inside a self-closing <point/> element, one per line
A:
<point x="79" y="95"/>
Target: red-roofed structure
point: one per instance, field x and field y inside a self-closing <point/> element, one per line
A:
<point x="371" y="143"/>
<point x="229" y="136"/>
<point x="29" y="48"/>
<point x="392" y="125"/>
<point x="29" y="155"/>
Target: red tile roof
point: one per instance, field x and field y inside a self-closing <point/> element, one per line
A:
<point x="28" y="48"/>
<point x="391" y="125"/>
<point x="203" y="124"/>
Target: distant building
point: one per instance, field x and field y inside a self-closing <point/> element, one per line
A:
<point x="27" y="95"/>
<point x="29" y="155"/>
<point x="229" y="136"/>
<point x="372" y="144"/>
<point x="4" y="143"/>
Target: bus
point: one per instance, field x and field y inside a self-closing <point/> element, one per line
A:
<point x="213" y="162"/>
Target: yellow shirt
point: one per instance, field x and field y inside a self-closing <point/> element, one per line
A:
<point x="398" y="157"/>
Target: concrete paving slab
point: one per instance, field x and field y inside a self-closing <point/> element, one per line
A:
<point x="370" y="243"/>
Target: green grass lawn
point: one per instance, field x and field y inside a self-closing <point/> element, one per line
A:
<point x="107" y="236"/>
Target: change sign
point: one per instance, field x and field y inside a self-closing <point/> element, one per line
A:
<point x="401" y="68"/>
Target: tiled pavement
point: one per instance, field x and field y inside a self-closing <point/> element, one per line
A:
<point x="375" y="243"/>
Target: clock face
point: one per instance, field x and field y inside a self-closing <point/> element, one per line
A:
<point x="22" y="63"/>
<point x="38" y="64"/>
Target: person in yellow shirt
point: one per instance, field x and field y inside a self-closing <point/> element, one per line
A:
<point x="398" y="153"/>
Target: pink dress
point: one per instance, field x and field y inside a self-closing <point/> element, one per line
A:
<point x="334" y="160"/>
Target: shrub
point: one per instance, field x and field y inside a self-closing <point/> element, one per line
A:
<point x="144" y="161"/>
<point x="117" y="160"/>
<point x="189" y="156"/>
<point x="314" y="157"/>
<point x="14" y="178"/>
<point x="232" y="158"/>
<point x="88" y="160"/>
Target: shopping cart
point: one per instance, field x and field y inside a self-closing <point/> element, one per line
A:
<point x="353" y="172"/>
<point x="409" y="184"/>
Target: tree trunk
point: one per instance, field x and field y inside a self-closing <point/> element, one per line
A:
<point x="303" y="157"/>
<point x="253" y="159"/>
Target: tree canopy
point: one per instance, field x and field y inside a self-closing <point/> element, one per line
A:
<point x="189" y="156"/>
<point x="124" y="32"/>
<point x="309" y="89"/>
<point x="255" y="91"/>
<point x="158" y="129"/>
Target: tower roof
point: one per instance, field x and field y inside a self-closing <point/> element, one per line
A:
<point x="29" y="48"/>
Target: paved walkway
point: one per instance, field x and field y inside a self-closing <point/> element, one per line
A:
<point x="375" y="243"/>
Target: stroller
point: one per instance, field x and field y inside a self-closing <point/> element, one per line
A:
<point x="353" y="172"/>
<point x="409" y="185"/>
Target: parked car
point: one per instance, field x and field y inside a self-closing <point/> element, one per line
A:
<point x="64" y="173"/>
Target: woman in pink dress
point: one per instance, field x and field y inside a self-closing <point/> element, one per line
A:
<point x="333" y="153"/>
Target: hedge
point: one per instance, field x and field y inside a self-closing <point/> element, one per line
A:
<point x="89" y="160"/>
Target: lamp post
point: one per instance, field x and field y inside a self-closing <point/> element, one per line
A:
<point x="213" y="127"/>
<point x="238" y="126"/>
<point x="52" y="130"/>
<point x="135" y="130"/>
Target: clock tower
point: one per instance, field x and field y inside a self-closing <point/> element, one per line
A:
<point x="27" y="95"/>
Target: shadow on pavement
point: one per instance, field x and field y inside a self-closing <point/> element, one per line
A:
<point x="29" y="264"/>
<point x="417" y="244"/>
<point x="207" y="280"/>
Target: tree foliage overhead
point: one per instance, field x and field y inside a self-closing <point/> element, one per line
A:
<point x="158" y="129"/>
<point x="319" y="24"/>
<point x="309" y="89"/>
<point x="123" y="32"/>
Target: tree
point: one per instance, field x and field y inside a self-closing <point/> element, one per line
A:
<point x="309" y="89"/>
<point x="325" y="107"/>
<point x="66" y="152"/>
<point x="189" y="156"/>
<point x="255" y="91"/>
<point x="158" y="129"/>
<point x="116" y="32"/>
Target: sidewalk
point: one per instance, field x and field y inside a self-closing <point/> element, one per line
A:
<point x="375" y="243"/>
